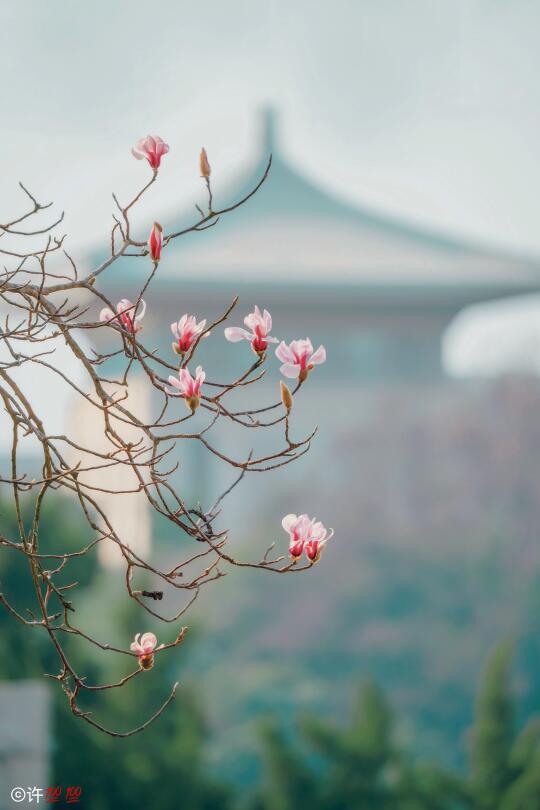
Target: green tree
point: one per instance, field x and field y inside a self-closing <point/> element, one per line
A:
<point x="505" y="769"/>
<point x="289" y="783"/>
<point x="358" y="758"/>
<point x="493" y="732"/>
<point x="359" y="767"/>
<point x="164" y="766"/>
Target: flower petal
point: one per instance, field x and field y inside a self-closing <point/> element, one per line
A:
<point x="291" y="370"/>
<point x="319" y="356"/>
<point x="148" y="642"/>
<point x="106" y="314"/>
<point x="289" y="521"/>
<point x="236" y="333"/>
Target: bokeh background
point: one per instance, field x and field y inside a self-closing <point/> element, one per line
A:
<point x="398" y="227"/>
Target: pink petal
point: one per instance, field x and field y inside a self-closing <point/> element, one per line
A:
<point x="236" y="333"/>
<point x="123" y="305"/>
<point x="284" y="353"/>
<point x="319" y="356"/>
<point x="302" y="347"/>
<point x="148" y="642"/>
<point x="267" y="319"/>
<point x="106" y="314"/>
<point x="296" y="548"/>
<point x="289" y="521"/>
<point x="291" y="370"/>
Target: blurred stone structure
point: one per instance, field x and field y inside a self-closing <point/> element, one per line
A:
<point x="24" y="738"/>
<point x="377" y="292"/>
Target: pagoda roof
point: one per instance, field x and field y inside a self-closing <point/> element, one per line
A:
<point x="294" y="232"/>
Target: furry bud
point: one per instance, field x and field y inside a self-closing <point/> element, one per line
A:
<point x="286" y="397"/>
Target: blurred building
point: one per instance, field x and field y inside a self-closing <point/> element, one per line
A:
<point x="328" y="269"/>
<point x="376" y="292"/>
<point x="24" y="739"/>
<point x="417" y="473"/>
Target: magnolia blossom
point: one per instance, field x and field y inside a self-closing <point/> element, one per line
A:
<point x="258" y="326"/>
<point x="152" y="148"/>
<point x="186" y="331"/>
<point x="298" y="358"/>
<point x="188" y="387"/>
<point x="145" y="648"/>
<point x="125" y="315"/>
<point x="306" y="535"/>
<point x="155" y="241"/>
<point x="204" y="165"/>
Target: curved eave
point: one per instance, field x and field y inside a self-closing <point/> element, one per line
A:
<point x="448" y="297"/>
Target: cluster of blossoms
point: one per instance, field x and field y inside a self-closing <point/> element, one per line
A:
<point x="306" y="535"/>
<point x="298" y="357"/>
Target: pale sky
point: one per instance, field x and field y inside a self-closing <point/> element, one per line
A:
<point x="430" y="110"/>
<point x="422" y="109"/>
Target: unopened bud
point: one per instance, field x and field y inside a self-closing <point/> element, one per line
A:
<point x="155" y="241"/>
<point x="286" y="397"/>
<point x="204" y="165"/>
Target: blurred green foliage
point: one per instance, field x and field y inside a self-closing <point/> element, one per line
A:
<point x="362" y="767"/>
<point x="318" y="765"/>
<point x="163" y="766"/>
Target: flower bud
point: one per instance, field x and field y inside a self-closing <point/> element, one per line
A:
<point x="204" y="165"/>
<point x="155" y="241"/>
<point x="286" y="397"/>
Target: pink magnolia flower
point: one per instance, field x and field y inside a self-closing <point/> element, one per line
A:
<point x="259" y="325"/>
<point x="125" y="315"/>
<point x="155" y="241"/>
<point x="318" y="536"/>
<point x="188" y="387"/>
<point x="186" y="331"/>
<point x="297" y="528"/>
<point x="298" y="358"/>
<point x="145" y="649"/>
<point x="152" y="148"/>
<point x="306" y="535"/>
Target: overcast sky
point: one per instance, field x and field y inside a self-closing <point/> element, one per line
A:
<point x="429" y="109"/>
<point x="426" y="109"/>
